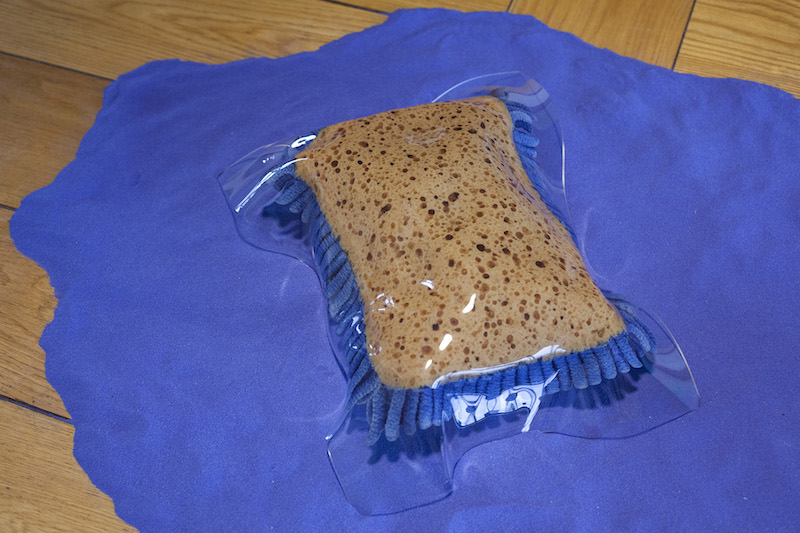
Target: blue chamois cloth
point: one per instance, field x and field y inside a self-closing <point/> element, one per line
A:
<point x="197" y="369"/>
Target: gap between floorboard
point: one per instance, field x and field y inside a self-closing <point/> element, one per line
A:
<point x="45" y="63"/>
<point x="35" y="409"/>
<point x="354" y="6"/>
<point x="680" y="43"/>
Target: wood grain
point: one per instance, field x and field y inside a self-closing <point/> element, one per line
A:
<point x="42" y="487"/>
<point x="44" y="112"/>
<point x="758" y="41"/>
<point x="646" y="30"/>
<point x="459" y="5"/>
<point x="26" y="306"/>
<point x="109" y="37"/>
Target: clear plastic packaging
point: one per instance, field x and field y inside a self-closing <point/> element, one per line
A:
<point x="460" y="309"/>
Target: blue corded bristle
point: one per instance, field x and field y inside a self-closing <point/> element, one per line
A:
<point x="482" y="386"/>
<point x="291" y="191"/>
<point x="337" y="282"/>
<point x="321" y="245"/>
<point x="314" y="223"/>
<point x="363" y="368"/>
<point x="564" y="376"/>
<point x="310" y="211"/>
<point x="508" y="379"/>
<point x="320" y="231"/>
<point x="351" y="291"/>
<point x="299" y="203"/>
<point x="364" y="390"/>
<point x="337" y="301"/>
<point x="630" y="355"/>
<point x="354" y="349"/>
<point x="592" y="367"/>
<point x="521" y="118"/>
<point x="470" y="386"/>
<point x="618" y="356"/>
<point x="323" y="236"/>
<point x="607" y="367"/>
<point x="409" y="421"/>
<point x="359" y="354"/>
<point x="394" y="415"/>
<point x="525" y="140"/>
<point x="526" y="151"/>
<point x="332" y="260"/>
<point x="378" y="421"/>
<point x="642" y="336"/>
<point x="367" y="405"/>
<point x="494" y="386"/>
<point x="535" y="373"/>
<point x="425" y="414"/>
<point x="352" y="304"/>
<point x="577" y="371"/>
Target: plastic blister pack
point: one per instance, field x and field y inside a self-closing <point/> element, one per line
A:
<point x="460" y="308"/>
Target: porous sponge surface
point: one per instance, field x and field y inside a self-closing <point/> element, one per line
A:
<point x="458" y="261"/>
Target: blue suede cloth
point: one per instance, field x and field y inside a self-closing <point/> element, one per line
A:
<point x="197" y="368"/>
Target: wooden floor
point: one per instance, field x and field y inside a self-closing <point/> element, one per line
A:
<point x="57" y="57"/>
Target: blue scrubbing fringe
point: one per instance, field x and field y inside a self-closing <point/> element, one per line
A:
<point x="390" y="411"/>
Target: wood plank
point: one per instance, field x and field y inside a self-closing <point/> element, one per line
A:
<point x="645" y="30"/>
<point x="109" y="37"/>
<point x="26" y="306"/>
<point x="42" y="486"/>
<point x="44" y="112"/>
<point x="460" y="5"/>
<point x="758" y="41"/>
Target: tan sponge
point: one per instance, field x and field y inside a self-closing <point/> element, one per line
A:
<point x="458" y="261"/>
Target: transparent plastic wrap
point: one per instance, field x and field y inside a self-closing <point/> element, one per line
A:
<point x="460" y="308"/>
